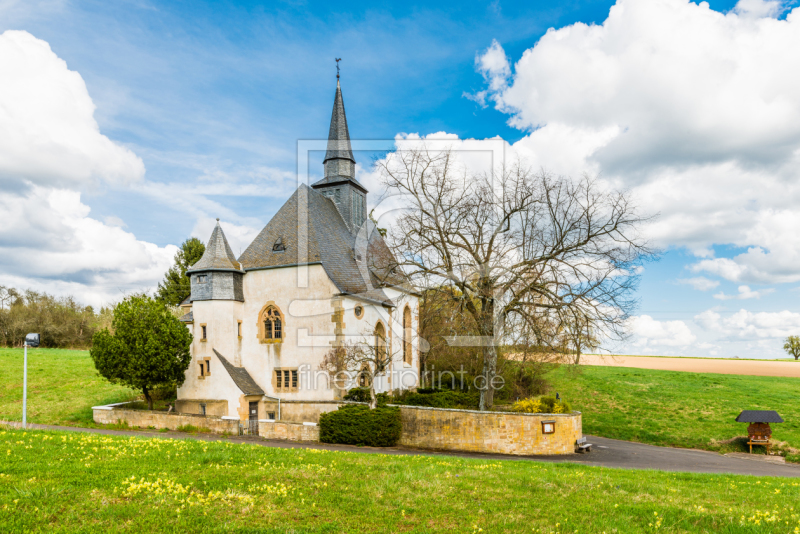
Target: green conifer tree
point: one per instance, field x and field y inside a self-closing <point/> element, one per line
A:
<point x="176" y="285"/>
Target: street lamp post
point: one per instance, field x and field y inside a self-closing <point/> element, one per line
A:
<point x="31" y="340"/>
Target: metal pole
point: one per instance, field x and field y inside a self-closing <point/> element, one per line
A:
<point x="25" y="389"/>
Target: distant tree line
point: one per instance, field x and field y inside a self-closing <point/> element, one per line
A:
<point x="62" y="321"/>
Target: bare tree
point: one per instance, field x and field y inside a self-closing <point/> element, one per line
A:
<point x="365" y="360"/>
<point x="516" y="243"/>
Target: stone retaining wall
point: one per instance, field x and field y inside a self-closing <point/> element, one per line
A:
<point x="290" y="431"/>
<point x="114" y="414"/>
<point x="423" y="428"/>
<point x="492" y="432"/>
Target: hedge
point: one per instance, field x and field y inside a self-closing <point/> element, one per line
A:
<point x="358" y="425"/>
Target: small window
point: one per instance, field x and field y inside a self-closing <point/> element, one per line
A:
<point x="548" y="427"/>
<point x="202" y="409"/>
<point x="359" y="311"/>
<point x="201" y="278"/>
<point x="271" y="415"/>
<point x="203" y="332"/>
<point x="279" y="246"/>
<point x="205" y="368"/>
<point x="239" y="329"/>
<point x="286" y="380"/>
<point x="277" y="328"/>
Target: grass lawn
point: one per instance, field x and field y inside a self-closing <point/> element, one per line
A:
<point x="63" y="385"/>
<point x="678" y="409"/>
<point x="75" y="482"/>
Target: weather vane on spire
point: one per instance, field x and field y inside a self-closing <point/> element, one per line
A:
<point x="338" y="59"/>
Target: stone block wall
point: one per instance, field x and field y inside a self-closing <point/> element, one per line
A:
<point x="302" y="411"/>
<point x="289" y="431"/>
<point x="143" y="418"/>
<point x="491" y="432"/>
<point x="192" y="406"/>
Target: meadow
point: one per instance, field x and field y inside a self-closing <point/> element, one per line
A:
<point x="63" y="385"/>
<point x="679" y="409"/>
<point x="78" y="482"/>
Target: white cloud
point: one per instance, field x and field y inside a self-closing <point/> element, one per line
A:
<point x="651" y="333"/>
<point x="49" y="242"/>
<point x="758" y="8"/>
<point x="744" y="293"/>
<point x="749" y="325"/>
<point x="700" y="283"/>
<point x="697" y="112"/>
<point x="48" y="134"/>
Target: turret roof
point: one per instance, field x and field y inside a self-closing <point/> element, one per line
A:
<point x="218" y="255"/>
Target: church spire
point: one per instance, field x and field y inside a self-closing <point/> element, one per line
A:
<point x="339" y="159"/>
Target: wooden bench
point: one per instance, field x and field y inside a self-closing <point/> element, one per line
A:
<point x="581" y="445"/>
<point x="764" y="442"/>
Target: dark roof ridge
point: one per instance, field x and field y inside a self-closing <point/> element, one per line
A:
<point x="240" y="377"/>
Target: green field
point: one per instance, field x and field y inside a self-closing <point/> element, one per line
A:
<point x="63" y="385"/>
<point x="676" y="408"/>
<point x="76" y="482"/>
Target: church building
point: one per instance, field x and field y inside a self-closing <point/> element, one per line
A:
<point x="318" y="275"/>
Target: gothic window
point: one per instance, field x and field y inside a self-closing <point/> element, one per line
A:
<point x="380" y="342"/>
<point x="407" y="354"/>
<point x="270" y="324"/>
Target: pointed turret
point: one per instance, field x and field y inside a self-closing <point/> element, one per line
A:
<point x="218" y="274"/>
<point x="218" y="255"/>
<point x="340" y="184"/>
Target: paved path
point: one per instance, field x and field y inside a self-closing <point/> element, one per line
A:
<point x="605" y="453"/>
<point x="698" y="365"/>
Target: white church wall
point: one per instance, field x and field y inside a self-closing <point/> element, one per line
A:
<point x="305" y="302"/>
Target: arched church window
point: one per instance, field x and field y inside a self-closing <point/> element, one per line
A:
<point x="380" y="342"/>
<point x="270" y="324"/>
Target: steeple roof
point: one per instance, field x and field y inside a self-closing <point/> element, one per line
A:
<point x="338" y="135"/>
<point x="218" y="255"/>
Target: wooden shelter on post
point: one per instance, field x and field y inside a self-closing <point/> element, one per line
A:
<point x="759" y="431"/>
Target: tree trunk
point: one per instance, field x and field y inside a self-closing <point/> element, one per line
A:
<point x="489" y="371"/>
<point x="373" y="399"/>
<point x="148" y="397"/>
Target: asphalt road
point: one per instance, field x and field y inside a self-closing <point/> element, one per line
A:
<point x="605" y="453"/>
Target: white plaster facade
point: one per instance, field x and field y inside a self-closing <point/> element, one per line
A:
<point x="315" y="263"/>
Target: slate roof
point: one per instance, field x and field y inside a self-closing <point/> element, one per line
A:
<point x="328" y="242"/>
<point x="186" y="301"/>
<point x="338" y="135"/>
<point x="240" y="377"/>
<point x="759" y="416"/>
<point x="188" y="318"/>
<point x="218" y="255"/>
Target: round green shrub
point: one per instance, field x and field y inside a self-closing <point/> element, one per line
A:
<point x="358" y="425"/>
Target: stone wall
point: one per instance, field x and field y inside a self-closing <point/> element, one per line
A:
<point x="492" y="432"/>
<point x="423" y="428"/>
<point x="302" y="411"/>
<point x="192" y="406"/>
<point x="106" y="415"/>
<point x="290" y="431"/>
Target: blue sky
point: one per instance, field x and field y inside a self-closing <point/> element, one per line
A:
<point x="214" y="96"/>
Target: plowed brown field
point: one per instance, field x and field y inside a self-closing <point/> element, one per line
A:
<point x="699" y="365"/>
